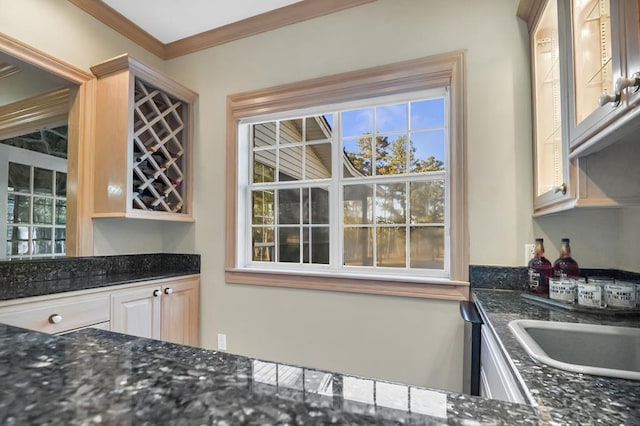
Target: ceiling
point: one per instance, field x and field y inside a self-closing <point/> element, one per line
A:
<point x="170" y="20"/>
<point x="171" y="28"/>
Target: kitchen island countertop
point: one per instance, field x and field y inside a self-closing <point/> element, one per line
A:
<point x="94" y="376"/>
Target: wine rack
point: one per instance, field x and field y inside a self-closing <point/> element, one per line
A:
<point x="144" y="127"/>
<point x="158" y="151"/>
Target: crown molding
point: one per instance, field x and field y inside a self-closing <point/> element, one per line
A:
<point x="297" y="12"/>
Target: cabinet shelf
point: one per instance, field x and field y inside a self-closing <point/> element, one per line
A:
<point x="148" y="119"/>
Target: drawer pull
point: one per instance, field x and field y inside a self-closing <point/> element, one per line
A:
<point x="55" y="319"/>
<point x="168" y="290"/>
<point x="156" y="293"/>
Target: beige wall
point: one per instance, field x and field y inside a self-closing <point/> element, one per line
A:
<point x="409" y="340"/>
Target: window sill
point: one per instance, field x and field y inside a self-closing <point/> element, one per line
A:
<point x="391" y="286"/>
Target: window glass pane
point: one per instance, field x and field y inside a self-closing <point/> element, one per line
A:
<point x="19" y="178"/>
<point x="357" y="122"/>
<point x="305" y="245"/>
<point x="264" y="134"/>
<point x="427" y="151"/>
<point x="42" y="243"/>
<point x="427" y="247"/>
<point x="317" y="128"/>
<point x="291" y="131"/>
<point x="320" y="206"/>
<point x="318" y="161"/>
<point x="289" y="206"/>
<point x="427" y="202"/>
<point x="391" y="118"/>
<point x="43" y="210"/>
<point x="60" y="240"/>
<point x="263" y="244"/>
<point x="61" y="212"/>
<point x="18" y="209"/>
<point x="427" y="114"/>
<point x="320" y="245"/>
<point x="358" y="246"/>
<point x="289" y="244"/>
<point x="290" y="164"/>
<point x="391" y="247"/>
<point x="358" y="204"/>
<point x="264" y="163"/>
<point x="61" y="184"/>
<point x="391" y="203"/>
<point x="358" y="157"/>
<point x="263" y="207"/>
<point x="42" y="181"/>
<point x="18" y="240"/>
<point x="391" y="155"/>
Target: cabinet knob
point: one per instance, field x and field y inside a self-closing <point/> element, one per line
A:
<point x="633" y="82"/>
<point x="156" y="293"/>
<point x="560" y="188"/>
<point x="168" y="290"/>
<point x="606" y="98"/>
<point x="55" y="318"/>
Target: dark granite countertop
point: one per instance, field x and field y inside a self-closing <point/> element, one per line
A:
<point x="94" y="376"/>
<point x="29" y="278"/>
<point x="562" y="396"/>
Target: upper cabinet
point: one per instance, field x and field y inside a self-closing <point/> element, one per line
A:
<point x="552" y="167"/>
<point x="594" y="40"/>
<point x="585" y="64"/>
<point x="143" y="143"/>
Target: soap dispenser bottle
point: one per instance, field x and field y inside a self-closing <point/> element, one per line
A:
<point x="540" y="270"/>
<point x="565" y="265"/>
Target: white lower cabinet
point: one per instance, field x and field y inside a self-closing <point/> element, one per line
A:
<point x="166" y="309"/>
<point x="56" y="314"/>
<point x="496" y="379"/>
<point x="137" y="311"/>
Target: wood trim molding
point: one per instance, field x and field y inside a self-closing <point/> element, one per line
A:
<point x="33" y="113"/>
<point x="403" y="77"/>
<point x="451" y="290"/>
<point x="80" y="157"/>
<point x="294" y="13"/>
<point x="112" y="18"/>
<point x="7" y="70"/>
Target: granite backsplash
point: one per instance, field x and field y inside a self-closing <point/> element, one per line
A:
<point x="515" y="278"/>
<point x="68" y="268"/>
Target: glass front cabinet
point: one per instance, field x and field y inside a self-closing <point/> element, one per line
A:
<point x="551" y="169"/>
<point x="585" y="64"/>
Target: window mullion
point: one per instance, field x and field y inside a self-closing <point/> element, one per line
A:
<point x="336" y="225"/>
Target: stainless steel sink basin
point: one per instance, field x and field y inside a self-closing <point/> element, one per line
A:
<point x="582" y="348"/>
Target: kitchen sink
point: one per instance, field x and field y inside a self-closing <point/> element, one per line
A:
<point x="600" y="350"/>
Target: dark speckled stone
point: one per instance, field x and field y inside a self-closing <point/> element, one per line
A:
<point x="25" y="278"/>
<point x="562" y="396"/>
<point x="95" y="376"/>
<point x="515" y="278"/>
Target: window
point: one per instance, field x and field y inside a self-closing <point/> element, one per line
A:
<point x="33" y="194"/>
<point x="387" y="178"/>
<point x="36" y="211"/>
<point x="353" y="182"/>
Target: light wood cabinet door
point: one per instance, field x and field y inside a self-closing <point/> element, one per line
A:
<point x="137" y="311"/>
<point x="180" y="311"/>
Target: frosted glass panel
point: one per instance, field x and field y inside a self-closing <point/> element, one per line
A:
<point x="548" y="116"/>
<point x="593" y="68"/>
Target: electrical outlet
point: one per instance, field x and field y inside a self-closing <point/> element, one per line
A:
<point x="529" y="252"/>
<point x="222" y="342"/>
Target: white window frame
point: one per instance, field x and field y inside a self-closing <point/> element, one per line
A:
<point x="400" y="80"/>
<point x="336" y="186"/>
